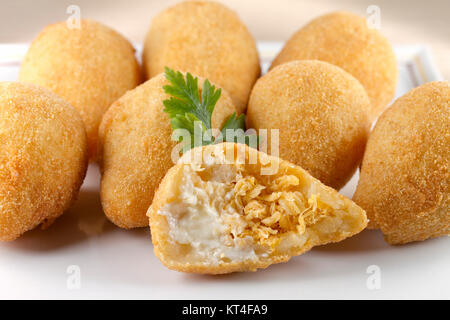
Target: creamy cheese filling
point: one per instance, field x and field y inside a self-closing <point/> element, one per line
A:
<point x="204" y="217"/>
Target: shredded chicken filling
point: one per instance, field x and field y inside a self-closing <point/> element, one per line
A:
<point x="276" y="209"/>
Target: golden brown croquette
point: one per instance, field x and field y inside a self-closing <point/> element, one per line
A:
<point x="90" y="67"/>
<point x="136" y="148"/>
<point x="207" y="39"/>
<point x="321" y="113"/>
<point x="43" y="157"/>
<point x="223" y="214"/>
<point x="405" y="175"/>
<point x="345" y="40"/>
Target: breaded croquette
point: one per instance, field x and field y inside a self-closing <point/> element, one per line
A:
<point x="136" y="149"/>
<point x="321" y="114"/>
<point x="345" y="40"/>
<point x="225" y="214"/>
<point x="207" y="39"/>
<point x="90" y="67"/>
<point x="43" y="157"/>
<point x="405" y="176"/>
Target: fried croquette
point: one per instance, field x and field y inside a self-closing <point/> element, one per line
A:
<point x="43" y="157"/>
<point x="321" y="114"/>
<point x="405" y="182"/>
<point x="90" y="67"/>
<point x="223" y="214"/>
<point x="345" y="40"/>
<point x="207" y="39"/>
<point x="136" y="148"/>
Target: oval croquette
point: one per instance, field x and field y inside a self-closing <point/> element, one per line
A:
<point x="242" y="219"/>
<point x="405" y="182"/>
<point x="136" y="146"/>
<point x="43" y="157"/>
<point x="345" y="40"/>
<point x="90" y="67"/>
<point x="321" y="113"/>
<point x="207" y="39"/>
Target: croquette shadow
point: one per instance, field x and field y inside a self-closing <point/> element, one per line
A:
<point x="83" y="220"/>
<point x="280" y="271"/>
<point x="141" y="232"/>
<point x="365" y="241"/>
<point x="302" y="268"/>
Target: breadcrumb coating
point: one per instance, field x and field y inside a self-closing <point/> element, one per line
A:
<point x="136" y="148"/>
<point x="43" y="157"/>
<point x="321" y="113"/>
<point x="345" y="40"/>
<point x="405" y="177"/>
<point x="90" y="67"/>
<point x="208" y="39"/>
<point x="222" y="215"/>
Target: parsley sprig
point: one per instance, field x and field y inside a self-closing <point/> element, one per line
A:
<point x="190" y="111"/>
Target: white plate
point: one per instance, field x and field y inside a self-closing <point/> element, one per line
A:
<point x="113" y="263"/>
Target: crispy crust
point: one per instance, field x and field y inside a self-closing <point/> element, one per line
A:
<point x="207" y="39"/>
<point x="405" y="182"/>
<point x="90" y="67"/>
<point x="344" y="39"/>
<point x="43" y="157"/>
<point x="135" y="150"/>
<point x="321" y="113"/>
<point x="170" y="253"/>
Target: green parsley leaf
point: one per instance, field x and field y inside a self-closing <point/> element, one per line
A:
<point x="234" y="122"/>
<point x="237" y="134"/>
<point x="188" y="110"/>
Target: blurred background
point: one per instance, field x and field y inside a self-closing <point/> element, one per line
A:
<point x="402" y="22"/>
